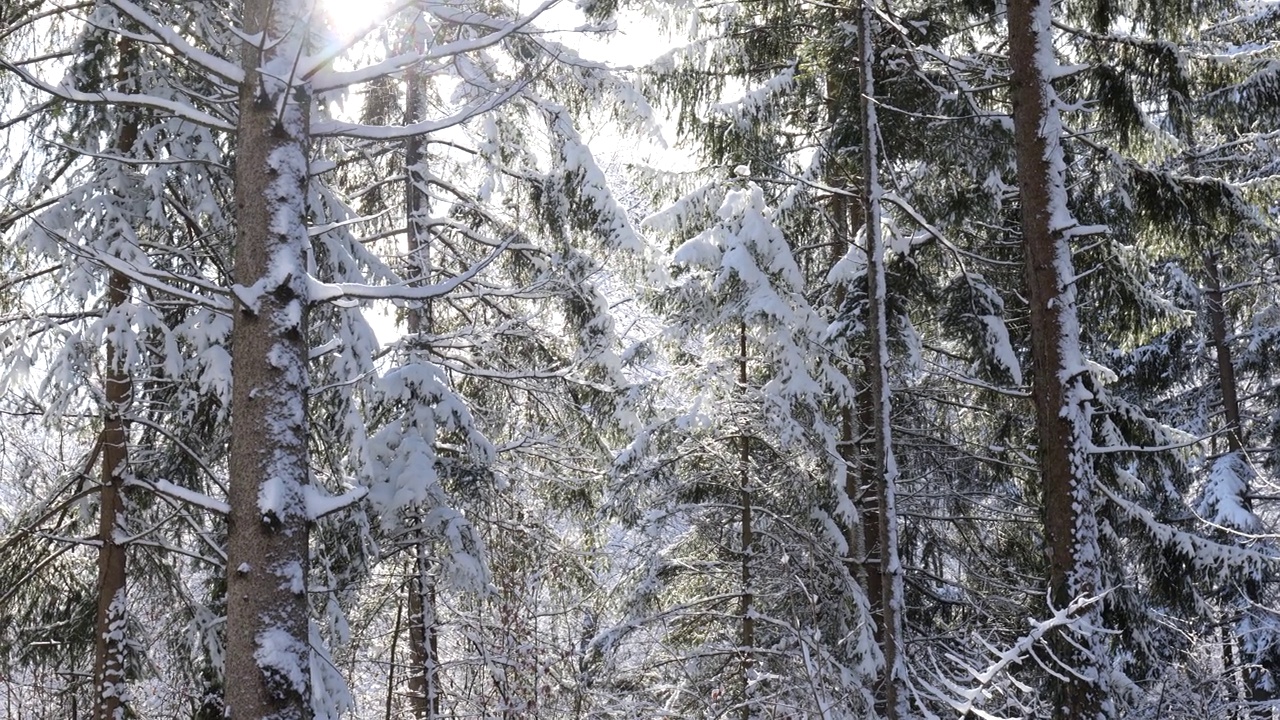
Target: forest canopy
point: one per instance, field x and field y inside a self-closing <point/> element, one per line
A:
<point x="762" y="359"/>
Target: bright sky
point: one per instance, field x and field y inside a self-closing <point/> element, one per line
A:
<point x="637" y="42"/>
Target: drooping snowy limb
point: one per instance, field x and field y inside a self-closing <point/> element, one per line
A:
<point x="144" y="275"/>
<point x="322" y="291"/>
<point x="967" y="701"/>
<point x="1181" y="445"/>
<point x="267" y="665"/>
<point x="173" y="41"/>
<point x="156" y="280"/>
<point x="319" y="504"/>
<point x="326" y="128"/>
<point x="575" y="157"/>
<point x="186" y="495"/>
<point x="312" y="68"/>
<point x="112" y="97"/>
<point x="1210" y="556"/>
<point x="1063" y="399"/>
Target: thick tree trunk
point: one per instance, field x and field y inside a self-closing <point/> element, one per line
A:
<point x="1061" y="386"/>
<point x="110" y="624"/>
<point x="267" y="651"/>
<point x="884" y="467"/>
<point x="861" y="526"/>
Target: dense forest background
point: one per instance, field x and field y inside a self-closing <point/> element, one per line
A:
<point x="841" y="359"/>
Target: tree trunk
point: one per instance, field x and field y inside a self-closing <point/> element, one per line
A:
<point x="389" y="706"/>
<point x="110" y="632"/>
<point x="423" y="636"/>
<point x="1226" y="368"/>
<point x="1061" y="384"/>
<point x="110" y="624"/>
<point x="747" y="637"/>
<point x="869" y="507"/>
<point x="884" y="467"/>
<point x="1257" y="676"/>
<point x="267" y="652"/>
<point x="861" y="527"/>
<point x="417" y="200"/>
<point x="423" y="632"/>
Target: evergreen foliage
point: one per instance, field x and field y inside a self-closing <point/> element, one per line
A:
<point x="588" y="430"/>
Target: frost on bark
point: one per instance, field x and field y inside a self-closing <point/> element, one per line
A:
<point x="1060" y="383"/>
<point x="1258" y="675"/>
<point x="424" y="690"/>
<point x="110" y="640"/>
<point x="883" y="467"/>
<point x="110" y="624"/>
<point x="424" y="687"/>
<point x="747" y="630"/>
<point x="267" y="655"/>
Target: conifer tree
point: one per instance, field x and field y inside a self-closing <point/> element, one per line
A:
<point x="1060" y="388"/>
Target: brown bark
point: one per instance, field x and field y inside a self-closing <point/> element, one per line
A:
<point x="424" y="689"/>
<point x="1256" y="678"/>
<point x="1226" y="368"/>
<point x="882" y="467"/>
<point x="1061" y="392"/>
<point x="869" y="506"/>
<point x="856" y="446"/>
<point x="267" y="650"/>
<point x="110" y="623"/>
<point x="391" y="666"/>
<point x="747" y="636"/>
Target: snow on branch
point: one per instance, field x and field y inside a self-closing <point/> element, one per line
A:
<point x="1202" y="552"/>
<point x="964" y="700"/>
<point x="319" y="291"/>
<point x="110" y="97"/>
<point x="155" y="279"/>
<point x="166" y="36"/>
<point x="312" y="68"/>
<point x="325" y="128"/>
<point x="186" y="495"/>
<point x="320" y="504"/>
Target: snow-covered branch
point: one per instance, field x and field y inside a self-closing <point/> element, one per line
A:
<point x="312" y="68"/>
<point x="319" y="291"/>
<point x="326" y="128"/>
<point x="186" y="495"/>
<point x="111" y="97"/>
<point x="166" y="36"/>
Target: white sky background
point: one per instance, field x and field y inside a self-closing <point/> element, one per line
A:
<point x="637" y="41"/>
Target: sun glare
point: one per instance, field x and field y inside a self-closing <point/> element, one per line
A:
<point x="348" y="18"/>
